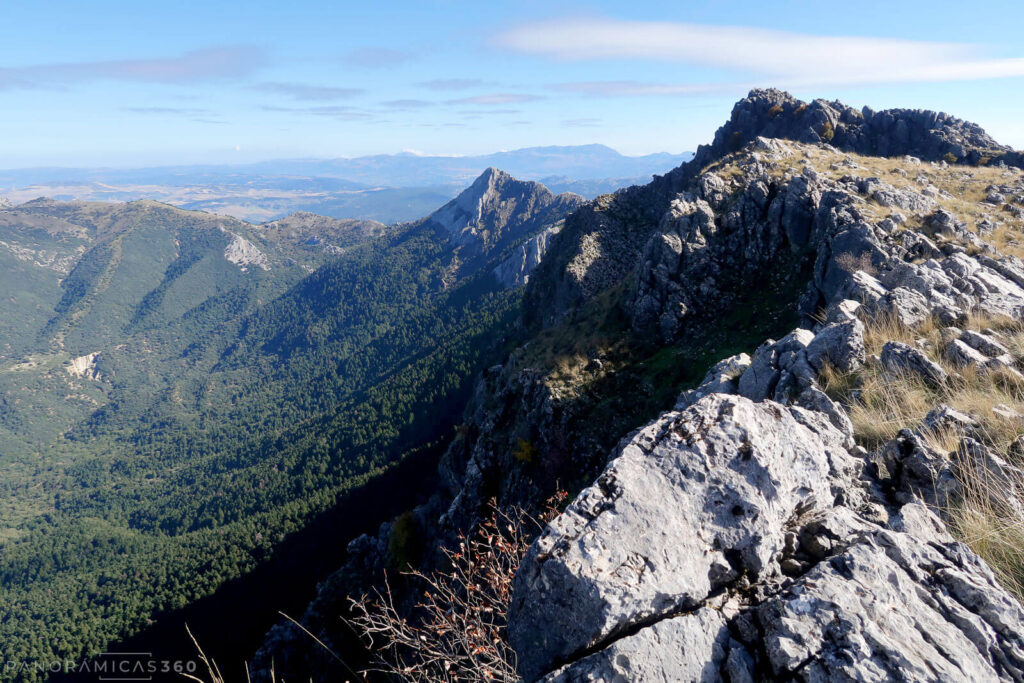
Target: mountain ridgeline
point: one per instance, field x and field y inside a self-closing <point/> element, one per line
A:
<point x="774" y="381"/>
<point x="180" y="392"/>
<point x="386" y="187"/>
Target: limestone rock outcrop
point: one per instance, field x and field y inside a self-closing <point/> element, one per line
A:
<point x="742" y="541"/>
<point x="607" y="239"/>
<point x="691" y="503"/>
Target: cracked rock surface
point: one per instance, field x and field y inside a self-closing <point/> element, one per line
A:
<point x="741" y="540"/>
<point x="692" y="502"/>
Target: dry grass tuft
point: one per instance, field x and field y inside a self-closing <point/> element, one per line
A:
<point x="985" y="520"/>
<point x="882" y="403"/>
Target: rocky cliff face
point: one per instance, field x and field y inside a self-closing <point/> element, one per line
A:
<point x="745" y="535"/>
<point x="752" y="532"/>
<point x="498" y="208"/>
<point x="515" y="270"/>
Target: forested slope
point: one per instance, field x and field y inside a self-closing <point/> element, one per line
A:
<point x="222" y="396"/>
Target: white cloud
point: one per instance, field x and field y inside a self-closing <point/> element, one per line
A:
<point x="631" y="88"/>
<point x="497" y="99"/>
<point x="224" y="62"/>
<point x="789" y="59"/>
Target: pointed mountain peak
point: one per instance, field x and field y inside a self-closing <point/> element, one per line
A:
<point x="493" y="173"/>
<point x="494" y="179"/>
<point x="496" y="200"/>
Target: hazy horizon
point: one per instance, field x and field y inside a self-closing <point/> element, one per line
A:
<point x="312" y="158"/>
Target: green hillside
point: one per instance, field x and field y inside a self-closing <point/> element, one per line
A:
<point x="226" y="404"/>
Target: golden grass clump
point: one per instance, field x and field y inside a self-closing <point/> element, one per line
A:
<point x="989" y="523"/>
<point x="880" y="403"/>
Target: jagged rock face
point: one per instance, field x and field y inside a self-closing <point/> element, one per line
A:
<point x="615" y="237"/>
<point x="598" y="248"/>
<point x="730" y="238"/>
<point x="737" y="540"/>
<point x="244" y="253"/>
<point x="515" y="270"/>
<point x="84" y="366"/>
<point x="893" y="606"/>
<point x="691" y="503"/>
<point x="712" y="248"/>
<point x="771" y="113"/>
<point x="498" y="209"/>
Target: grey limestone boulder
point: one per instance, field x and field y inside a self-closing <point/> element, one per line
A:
<point x="722" y="544"/>
<point x="984" y="343"/>
<point x="906" y="305"/>
<point x="839" y="344"/>
<point x="692" y="502"/>
<point x="759" y="380"/>
<point x="890" y="607"/>
<point x="722" y="378"/>
<point x="898" y="357"/>
<point x="959" y="353"/>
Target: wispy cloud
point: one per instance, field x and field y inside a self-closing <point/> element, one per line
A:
<point x="632" y="88"/>
<point x="406" y="104"/>
<point x="376" y="57"/>
<point x="479" y="113"/>
<point x="180" y="111"/>
<point x="302" y="91"/>
<point x="586" y="122"/>
<point x="784" y="57"/>
<point x="215" y="63"/>
<point x="453" y="83"/>
<point x="497" y="99"/>
<point x="340" y="113"/>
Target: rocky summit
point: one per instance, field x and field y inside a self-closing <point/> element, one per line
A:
<point x="803" y="501"/>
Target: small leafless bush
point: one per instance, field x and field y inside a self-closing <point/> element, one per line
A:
<point x="458" y="630"/>
<point x="852" y="264"/>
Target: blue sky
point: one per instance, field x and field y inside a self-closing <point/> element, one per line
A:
<point x="145" y="83"/>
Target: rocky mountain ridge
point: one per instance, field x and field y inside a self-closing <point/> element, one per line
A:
<point x="497" y="210"/>
<point x="723" y="541"/>
<point x="756" y="530"/>
<point x="603" y="242"/>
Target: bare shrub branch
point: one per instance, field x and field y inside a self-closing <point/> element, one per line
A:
<point x="458" y="630"/>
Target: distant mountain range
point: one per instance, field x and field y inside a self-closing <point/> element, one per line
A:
<point x="389" y="188"/>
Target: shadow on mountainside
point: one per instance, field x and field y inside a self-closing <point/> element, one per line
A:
<point x="230" y="624"/>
